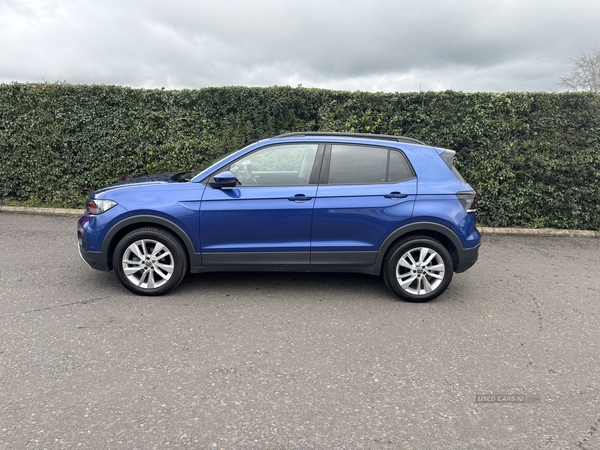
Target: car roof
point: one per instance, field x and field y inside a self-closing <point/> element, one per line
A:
<point x="384" y="137"/>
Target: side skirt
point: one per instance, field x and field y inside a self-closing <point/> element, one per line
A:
<point x="352" y="262"/>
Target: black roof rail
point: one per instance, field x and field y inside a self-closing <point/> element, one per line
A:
<point x="384" y="137"/>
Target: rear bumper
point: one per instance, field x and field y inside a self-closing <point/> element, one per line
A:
<point x="467" y="258"/>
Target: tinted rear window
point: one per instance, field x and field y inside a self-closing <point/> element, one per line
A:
<point x="355" y="164"/>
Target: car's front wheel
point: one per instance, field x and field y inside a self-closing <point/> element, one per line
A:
<point x="149" y="261"/>
<point x="418" y="269"/>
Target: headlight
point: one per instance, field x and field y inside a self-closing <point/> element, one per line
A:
<point x="98" y="206"/>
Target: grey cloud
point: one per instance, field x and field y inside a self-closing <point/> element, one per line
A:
<point x="368" y="45"/>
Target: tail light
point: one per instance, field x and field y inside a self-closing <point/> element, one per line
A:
<point x="468" y="200"/>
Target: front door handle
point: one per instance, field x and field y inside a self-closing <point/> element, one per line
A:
<point x="299" y="198"/>
<point x="395" y="195"/>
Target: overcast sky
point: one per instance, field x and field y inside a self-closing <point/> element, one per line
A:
<point x="375" y="45"/>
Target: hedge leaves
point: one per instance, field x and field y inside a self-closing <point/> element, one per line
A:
<point x="534" y="158"/>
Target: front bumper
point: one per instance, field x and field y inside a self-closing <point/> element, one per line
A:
<point x="93" y="259"/>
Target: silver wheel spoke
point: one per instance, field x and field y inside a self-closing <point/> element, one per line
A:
<point x="404" y="263"/>
<point x="157" y="248"/>
<point x="435" y="275"/>
<point x="405" y="284"/>
<point x="144" y="250"/>
<point x="424" y="252"/>
<point x="164" y="275"/>
<point x="162" y="256"/>
<point x="131" y="261"/>
<point x="167" y="267"/>
<point x="403" y="276"/>
<point x="150" y="279"/>
<point x="428" y="260"/>
<point x="148" y="263"/>
<point x="420" y="277"/>
<point x="142" y="278"/>
<point x="131" y="270"/>
<point x="438" y="268"/>
<point x="418" y="286"/>
<point x="135" y="250"/>
<point x="426" y="285"/>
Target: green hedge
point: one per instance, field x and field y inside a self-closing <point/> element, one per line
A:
<point x="534" y="158"/>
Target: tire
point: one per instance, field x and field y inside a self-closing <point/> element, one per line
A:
<point x="418" y="269"/>
<point x="158" y="256"/>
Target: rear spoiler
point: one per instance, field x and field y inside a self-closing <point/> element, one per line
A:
<point x="448" y="157"/>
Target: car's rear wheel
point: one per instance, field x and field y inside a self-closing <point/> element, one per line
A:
<point x="150" y="261"/>
<point x="418" y="269"/>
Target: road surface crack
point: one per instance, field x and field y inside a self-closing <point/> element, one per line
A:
<point x="537" y="306"/>
<point x="81" y="302"/>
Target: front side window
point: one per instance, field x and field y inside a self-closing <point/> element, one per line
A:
<point x="355" y="164"/>
<point x="279" y="165"/>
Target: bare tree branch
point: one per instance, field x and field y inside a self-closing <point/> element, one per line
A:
<point x="585" y="73"/>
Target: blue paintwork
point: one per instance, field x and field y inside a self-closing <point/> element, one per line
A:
<point x="96" y="226"/>
<point x="177" y="202"/>
<point x="359" y="217"/>
<point x="257" y="219"/>
<point x="447" y="211"/>
<point x="329" y="218"/>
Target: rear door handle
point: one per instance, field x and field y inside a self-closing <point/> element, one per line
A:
<point x="395" y="195"/>
<point x="299" y="198"/>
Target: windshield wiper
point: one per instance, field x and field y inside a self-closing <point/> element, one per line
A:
<point x="181" y="177"/>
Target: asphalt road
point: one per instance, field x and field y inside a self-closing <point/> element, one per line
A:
<point x="297" y="360"/>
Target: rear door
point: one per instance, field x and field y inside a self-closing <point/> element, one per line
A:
<point x="365" y="192"/>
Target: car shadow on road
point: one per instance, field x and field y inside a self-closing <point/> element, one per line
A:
<point x="274" y="285"/>
<point x="307" y="286"/>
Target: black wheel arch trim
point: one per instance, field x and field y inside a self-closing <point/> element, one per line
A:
<point x="416" y="227"/>
<point x="194" y="258"/>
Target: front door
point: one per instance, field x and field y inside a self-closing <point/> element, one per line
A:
<point x="266" y="219"/>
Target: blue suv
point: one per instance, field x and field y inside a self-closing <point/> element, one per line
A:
<point x="302" y="202"/>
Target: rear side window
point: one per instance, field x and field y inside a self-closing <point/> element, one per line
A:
<point x="355" y="164"/>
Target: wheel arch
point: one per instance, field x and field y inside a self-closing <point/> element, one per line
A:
<point x="440" y="233"/>
<point x="119" y="230"/>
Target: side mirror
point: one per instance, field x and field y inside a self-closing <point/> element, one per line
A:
<point x="223" y="180"/>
